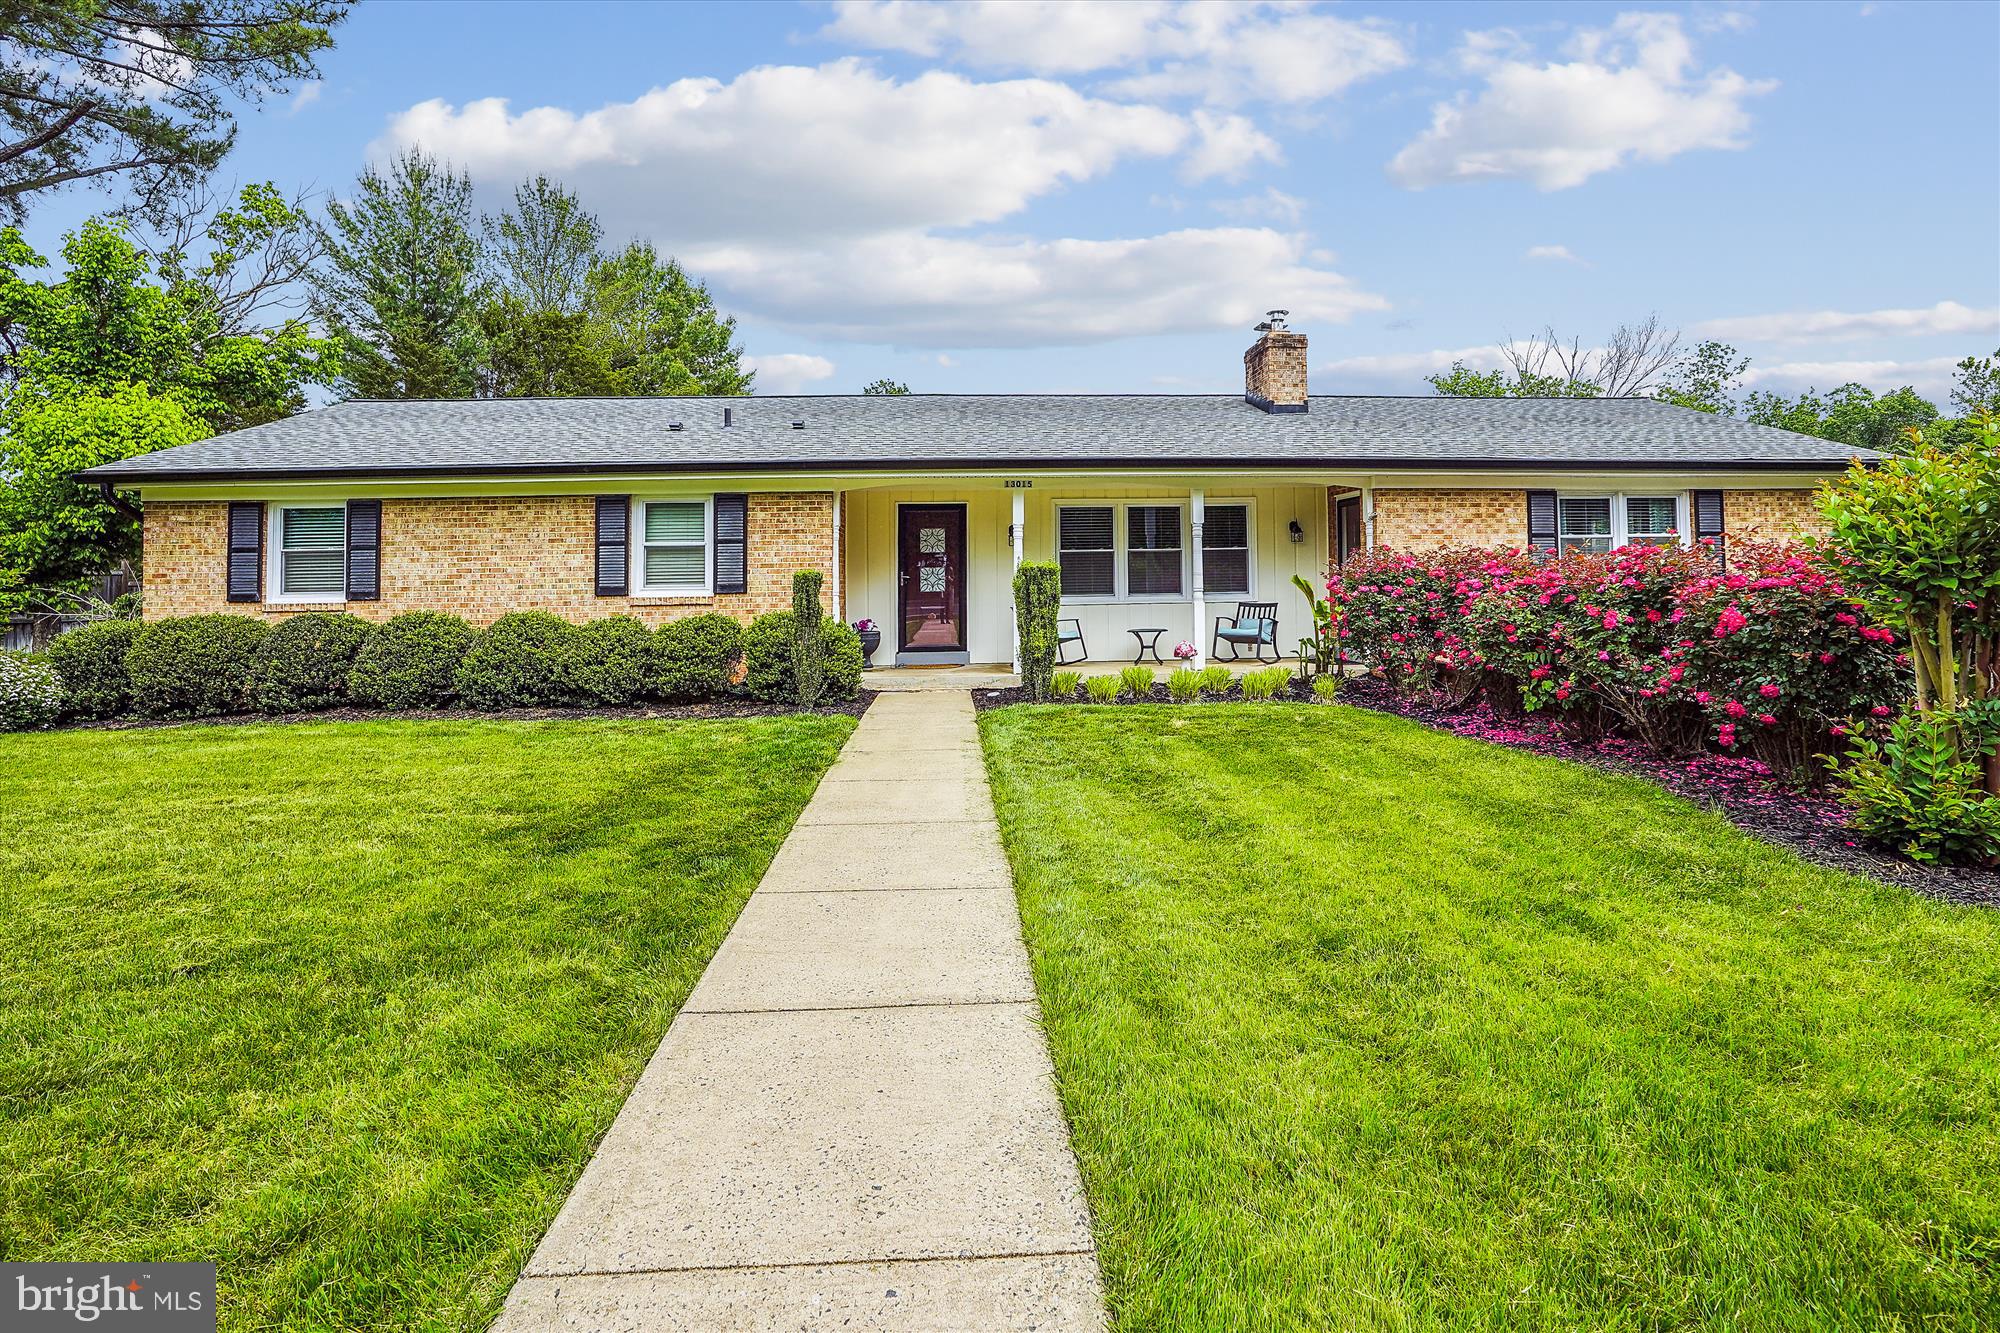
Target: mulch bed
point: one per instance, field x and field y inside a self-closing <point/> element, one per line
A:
<point x="718" y="709"/>
<point x="1744" y="791"/>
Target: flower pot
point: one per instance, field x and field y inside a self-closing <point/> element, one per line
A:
<point x="871" y="639"/>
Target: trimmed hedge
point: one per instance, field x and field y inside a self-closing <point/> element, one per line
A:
<point x="517" y="662"/>
<point x="767" y="658"/>
<point x="609" y="661"/>
<point x="1037" y="597"/>
<point x="31" y="692"/>
<point x="91" y="661"/>
<point x="696" y="658"/>
<point x="195" y="666"/>
<point x="410" y="661"/>
<point x="304" y="664"/>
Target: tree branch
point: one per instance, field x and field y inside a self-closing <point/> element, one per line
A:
<point x="62" y="126"/>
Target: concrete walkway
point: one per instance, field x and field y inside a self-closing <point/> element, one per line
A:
<point x="853" y="1122"/>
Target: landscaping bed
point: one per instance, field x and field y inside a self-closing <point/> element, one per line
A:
<point x="1360" y="1024"/>
<point x="344" y="1008"/>
<point x="725" y="708"/>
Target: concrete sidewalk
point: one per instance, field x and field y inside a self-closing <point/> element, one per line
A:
<point x="852" y="1123"/>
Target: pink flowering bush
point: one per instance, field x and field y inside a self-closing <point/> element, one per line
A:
<point x="1659" y="643"/>
<point x="1404" y="616"/>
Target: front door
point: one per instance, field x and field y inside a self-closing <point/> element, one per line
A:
<point x="931" y="569"/>
<point x="1347" y="526"/>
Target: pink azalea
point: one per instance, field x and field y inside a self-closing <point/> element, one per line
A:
<point x="1768" y="690"/>
<point x="1734" y="709"/>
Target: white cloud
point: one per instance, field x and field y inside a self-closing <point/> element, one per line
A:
<point x="1226" y="146"/>
<point x="1398" y="372"/>
<point x="1930" y="376"/>
<point x="931" y="291"/>
<point x="308" y="93"/>
<point x="1224" y="51"/>
<point x="1273" y="204"/>
<point x="1943" y="319"/>
<point x="1556" y="253"/>
<point x="1629" y="92"/>
<point x="788" y="372"/>
<point x="945" y="360"/>
<point x="815" y="198"/>
<point x="835" y="149"/>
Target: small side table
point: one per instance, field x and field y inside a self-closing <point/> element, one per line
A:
<point x="1149" y="642"/>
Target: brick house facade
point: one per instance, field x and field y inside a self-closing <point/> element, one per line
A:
<point x="1162" y="510"/>
<point x="482" y="556"/>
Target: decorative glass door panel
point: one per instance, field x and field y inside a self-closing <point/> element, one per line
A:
<point x="931" y="572"/>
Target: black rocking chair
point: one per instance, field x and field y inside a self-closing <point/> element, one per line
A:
<point x="1254" y="625"/>
<point x="1070" y="631"/>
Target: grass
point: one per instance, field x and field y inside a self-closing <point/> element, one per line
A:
<point x="1363" y="1026"/>
<point x="343" y="1007"/>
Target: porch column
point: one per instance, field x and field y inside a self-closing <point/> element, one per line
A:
<point x="1197" y="508"/>
<point x="1368" y="518"/>
<point x="1016" y="535"/>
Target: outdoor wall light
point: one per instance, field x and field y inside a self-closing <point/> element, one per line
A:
<point x="1298" y="533"/>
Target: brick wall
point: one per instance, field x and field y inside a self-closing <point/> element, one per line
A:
<point x="1771" y="515"/>
<point x="1274" y="369"/>
<point x="1416" y="520"/>
<point x="482" y="556"/>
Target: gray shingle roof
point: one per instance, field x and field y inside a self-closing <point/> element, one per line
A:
<point x="556" y="435"/>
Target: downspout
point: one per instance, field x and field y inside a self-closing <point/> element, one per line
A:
<point x="117" y="501"/>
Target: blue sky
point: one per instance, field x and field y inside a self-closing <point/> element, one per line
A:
<point x="1101" y="198"/>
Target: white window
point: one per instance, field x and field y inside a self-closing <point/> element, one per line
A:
<point x="1086" y="550"/>
<point x="1112" y="551"/>
<point x="1225" y="549"/>
<point x="671" y="554"/>
<point x="1604" y="522"/>
<point x="309" y="553"/>
<point x="1153" y="550"/>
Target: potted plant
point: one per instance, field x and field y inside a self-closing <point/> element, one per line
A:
<point x="871" y="637"/>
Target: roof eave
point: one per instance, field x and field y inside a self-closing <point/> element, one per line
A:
<point x="1330" y="463"/>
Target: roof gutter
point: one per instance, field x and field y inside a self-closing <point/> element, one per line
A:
<point x="957" y="465"/>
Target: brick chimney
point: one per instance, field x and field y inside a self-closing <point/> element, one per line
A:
<point x="1274" y="369"/>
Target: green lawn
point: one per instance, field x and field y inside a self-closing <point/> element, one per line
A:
<point x="343" y="1007"/>
<point x="1362" y="1026"/>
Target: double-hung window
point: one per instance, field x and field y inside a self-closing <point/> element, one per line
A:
<point x="1086" y="550"/>
<point x="1603" y="522"/>
<point x="672" y="551"/>
<point x="1152" y="550"/>
<point x="1225" y="550"/>
<point x="310" y="551"/>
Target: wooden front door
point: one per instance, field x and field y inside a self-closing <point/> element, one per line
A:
<point x="1347" y="526"/>
<point x="930" y="602"/>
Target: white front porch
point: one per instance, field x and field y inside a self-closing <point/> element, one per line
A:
<point x="1156" y="559"/>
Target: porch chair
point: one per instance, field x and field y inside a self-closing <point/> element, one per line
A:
<point x="1254" y="625"/>
<point x="1070" y="631"/>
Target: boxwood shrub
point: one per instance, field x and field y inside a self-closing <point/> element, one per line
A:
<point x="609" y="661"/>
<point x="31" y="692"/>
<point x="696" y="658"/>
<point x="517" y="662"/>
<point x="91" y="661"/>
<point x="304" y="663"/>
<point x="410" y="661"/>
<point x="194" y="666"/>
<point x="767" y="658"/>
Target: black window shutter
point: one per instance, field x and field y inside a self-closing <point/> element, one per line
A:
<point x="1708" y="519"/>
<point x="732" y="543"/>
<point x="246" y="550"/>
<point x="614" y="544"/>
<point x="364" y="550"/>
<point x="1542" y="521"/>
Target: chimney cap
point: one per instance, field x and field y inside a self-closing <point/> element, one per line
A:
<point x="1274" y="322"/>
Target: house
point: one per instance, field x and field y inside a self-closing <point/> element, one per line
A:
<point x="1163" y="510"/>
